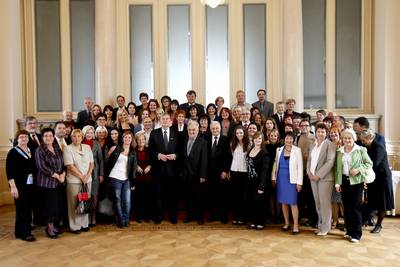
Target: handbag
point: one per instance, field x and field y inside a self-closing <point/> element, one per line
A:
<point x="106" y="207"/>
<point x="85" y="204"/>
<point x="368" y="176"/>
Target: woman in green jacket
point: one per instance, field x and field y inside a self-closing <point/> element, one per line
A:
<point x="352" y="163"/>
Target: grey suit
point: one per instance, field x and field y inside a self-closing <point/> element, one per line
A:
<point x="98" y="169"/>
<point x="322" y="189"/>
<point x="268" y="108"/>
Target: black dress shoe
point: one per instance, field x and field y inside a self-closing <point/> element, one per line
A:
<point x="85" y="229"/>
<point x="157" y="221"/>
<point x="188" y="220"/>
<point x="377" y="229"/>
<point x="200" y="222"/>
<point x="75" y="232"/>
<point x="29" y="238"/>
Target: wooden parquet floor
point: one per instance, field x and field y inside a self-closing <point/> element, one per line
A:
<point x="190" y="245"/>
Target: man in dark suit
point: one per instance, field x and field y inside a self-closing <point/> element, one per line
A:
<point x="191" y="97"/>
<point x="35" y="139"/>
<point x="163" y="146"/>
<point x="194" y="173"/>
<point x="121" y="105"/>
<point x="219" y="161"/>
<point x="360" y="124"/>
<point x="279" y="117"/>
<point x="85" y="116"/>
<point x="266" y="108"/>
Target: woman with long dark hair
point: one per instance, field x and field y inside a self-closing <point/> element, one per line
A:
<point x="122" y="164"/>
<point x="238" y="173"/>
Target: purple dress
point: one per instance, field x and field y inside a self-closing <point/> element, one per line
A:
<point x="286" y="192"/>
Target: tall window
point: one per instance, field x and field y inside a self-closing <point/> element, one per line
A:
<point x="217" y="62"/>
<point x="341" y="86"/>
<point x="314" y="53"/>
<point x="82" y="51"/>
<point x="48" y="61"/>
<point x="348" y="53"/>
<point x="254" y="20"/>
<point x="142" y="69"/>
<point x="179" y="51"/>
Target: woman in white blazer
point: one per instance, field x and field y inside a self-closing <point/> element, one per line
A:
<point x="321" y="160"/>
<point x="287" y="175"/>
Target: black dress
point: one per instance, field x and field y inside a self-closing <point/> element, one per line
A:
<point x="19" y="166"/>
<point x="380" y="192"/>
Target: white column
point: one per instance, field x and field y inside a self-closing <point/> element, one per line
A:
<point x="292" y="50"/>
<point x="11" y="104"/>
<point x="386" y="69"/>
<point x="105" y="46"/>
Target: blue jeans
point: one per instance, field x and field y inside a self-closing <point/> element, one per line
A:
<point x="122" y="199"/>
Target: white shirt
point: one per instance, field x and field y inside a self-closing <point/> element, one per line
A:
<point x="315" y="156"/>
<point x="180" y="127"/>
<point x="163" y="130"/>
<point x="239" y="163"/>
<point x="119" y="170"/>
<point x="346" y="160"/>
<point x="213" y="140"/>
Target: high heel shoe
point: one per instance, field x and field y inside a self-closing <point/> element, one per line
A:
<point x="286" y="227"/>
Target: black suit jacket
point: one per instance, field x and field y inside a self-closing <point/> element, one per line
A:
<point x="280" y="124"/>
<point x="378" y="155"/>
<point x="268" y="110"/>
<point x="186" y="106"/>
<point x="219" y="160"/>
<point x="84" y="119"/>
<point x="156" y="146"/>
<point x="195" y="164"/>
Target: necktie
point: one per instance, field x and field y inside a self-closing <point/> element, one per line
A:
<point x="165" y="140"/>
<point x="262" y="106"/>
<point x="214" y="146"/>
<point x="280" y="118"/>
<point x="63" y="145"/>
<point x="34" y="138"/>
<point x="189" y="146"/>
<point x="246" y="125"/>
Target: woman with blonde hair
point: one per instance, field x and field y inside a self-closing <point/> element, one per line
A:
<point x="78" y="158"/>
<point x="352" y="163"/>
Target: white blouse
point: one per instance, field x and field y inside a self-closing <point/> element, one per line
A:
<point x="119" y="170"/>
<point x="239" y="163"/>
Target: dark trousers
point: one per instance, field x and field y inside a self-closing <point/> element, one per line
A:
<point x="23" y="211"/>
<point x="255" y="203"/>
<point x="167" y="196"/>
<point x="352" y="196"/>
<point x="238" y="182"/>
<point x="217" y="194"/>
<point x="52" y="204"/>
<point x="306" y="202"/>
<point x="63" y="206"/>
<point x="194" y="199"/>
<point x="38" y="205"/>
<point x="145" y="200"/>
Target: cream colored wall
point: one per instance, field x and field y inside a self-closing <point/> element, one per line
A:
<point x="112" y="59"/>
<point x="10" y="82"/>
<point x="387" y="70"/>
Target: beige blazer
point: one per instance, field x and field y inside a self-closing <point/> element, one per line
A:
<point x="326" y="161"/>
<point x="295" y="165"/>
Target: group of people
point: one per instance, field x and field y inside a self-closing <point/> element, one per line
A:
<point x="244" y="163"/>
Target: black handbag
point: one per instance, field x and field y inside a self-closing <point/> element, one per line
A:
<point x="85" y="203"/>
